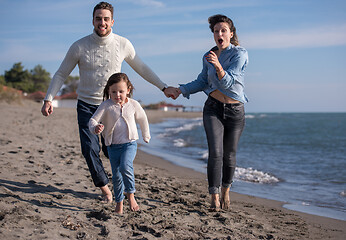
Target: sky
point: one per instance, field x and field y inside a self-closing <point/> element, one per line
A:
<point x="297" y="48"/>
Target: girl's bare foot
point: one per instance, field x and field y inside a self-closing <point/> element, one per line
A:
<point x="119" y="207"/>
<point x="225" y="201"/>
<point x="215" y="202"/>
<point x="132" y="201"/>
<point x="106" y="194"/>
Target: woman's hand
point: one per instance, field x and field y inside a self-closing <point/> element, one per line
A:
<point x="213" y="59"/>
<point x="172" y="92"/>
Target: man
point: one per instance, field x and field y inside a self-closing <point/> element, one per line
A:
<point x="98" y="56"/>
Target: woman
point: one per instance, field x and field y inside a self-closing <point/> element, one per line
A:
<point x="222" y="79"/>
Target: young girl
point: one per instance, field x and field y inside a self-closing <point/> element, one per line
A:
<point x="116" y="118"/>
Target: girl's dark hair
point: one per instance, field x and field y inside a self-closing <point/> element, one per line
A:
<point x="103" y="5"/>
<point x="115" y="78"/>
<point x="213" y="20"/>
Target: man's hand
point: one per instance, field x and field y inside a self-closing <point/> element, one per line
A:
<point x="47" y="108"/>
<point x="172" y="92"/>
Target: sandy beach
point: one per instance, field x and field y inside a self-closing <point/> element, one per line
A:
<point x="46" y="192"/>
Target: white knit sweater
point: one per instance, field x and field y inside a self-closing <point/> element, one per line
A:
<point x="98" y="58"/>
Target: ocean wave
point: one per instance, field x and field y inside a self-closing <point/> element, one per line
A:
<point x="250" y="116"/>
<point x="343" y="193"/>
<point x="204" y="155"/>
<point x="179" y="142"/>
<point x="185" y="127"/>
<point x="248" y="174"/>
<point x="255" y="176"/>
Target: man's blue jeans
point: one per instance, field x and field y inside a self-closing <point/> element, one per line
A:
<point x="90" y="144"/>
<point x="223" y="124"/>
<point x="121" y="157"/>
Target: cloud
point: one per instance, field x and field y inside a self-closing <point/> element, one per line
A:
<point x="324" y="36"/>
<point x="148" y="3"/>
<point x="180" y="8"/>
<point x="25" y="50"/>
<point x="173" y="43"/>
<point x="197" y="41"/>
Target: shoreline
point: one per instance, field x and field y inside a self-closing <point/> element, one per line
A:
<point x="309" y="209"/>
<point x="148" y="159"/>
<point x="46" y="192"/>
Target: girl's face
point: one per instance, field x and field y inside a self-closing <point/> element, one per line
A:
<point x="118" y="92"/>
<point x="222" y="35"/>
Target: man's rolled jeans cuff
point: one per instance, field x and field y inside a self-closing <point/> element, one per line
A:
<point x="100" y="179"/>
<point x="214" y="190"/>
<point x="227" y="185"/>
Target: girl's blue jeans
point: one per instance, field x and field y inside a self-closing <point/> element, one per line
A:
<point x="121" y="157"/>
<point x="223" y="124"/>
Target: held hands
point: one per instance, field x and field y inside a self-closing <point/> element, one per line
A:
<point x="99" y="128"/>
<point x="172" y="92"/>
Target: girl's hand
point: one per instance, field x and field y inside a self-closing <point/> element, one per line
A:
<point x="213" y="59"/>
<point x="99" y="128"/>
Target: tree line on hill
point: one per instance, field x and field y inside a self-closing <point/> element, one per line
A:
<point x="36" y="79"/>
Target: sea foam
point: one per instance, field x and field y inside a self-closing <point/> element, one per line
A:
<point x="255" y="176"/>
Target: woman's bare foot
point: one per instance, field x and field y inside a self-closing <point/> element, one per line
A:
<point x="132" y="201"/>
<point x="106" y="194"/>
<point x="215" y="202"/>
<point x="225" y="201"/>
<point x="119" y="207"/>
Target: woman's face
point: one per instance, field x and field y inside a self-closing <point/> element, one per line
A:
<point x="222" y="35"/>
<point x="118" y="92"/>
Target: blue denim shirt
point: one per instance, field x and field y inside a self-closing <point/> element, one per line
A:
<point x="233" y="60"/>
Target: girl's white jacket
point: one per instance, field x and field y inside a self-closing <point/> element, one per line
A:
<point x="108" y="114"/>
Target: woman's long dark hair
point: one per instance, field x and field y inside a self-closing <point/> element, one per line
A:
<point x="213" y="20"/>
<point x="115" y="78"/>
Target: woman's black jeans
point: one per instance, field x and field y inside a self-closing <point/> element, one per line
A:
<point x="90" y="144"/>
<point x="223" y="124"/>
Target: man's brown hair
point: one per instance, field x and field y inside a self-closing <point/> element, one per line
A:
<point x="103" y="5"/>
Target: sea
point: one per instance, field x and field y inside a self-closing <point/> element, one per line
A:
<point x="296" y="158"/>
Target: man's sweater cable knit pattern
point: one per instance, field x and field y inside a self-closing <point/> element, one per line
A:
<point x="98" y="58"/>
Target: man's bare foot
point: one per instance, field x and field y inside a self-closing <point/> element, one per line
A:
<point x="119" y="207"/>
<point x="106" y="195"/>
<point x="225" y="201"/>
<point x="215" y="203"/>
<point x="132" y="201"/>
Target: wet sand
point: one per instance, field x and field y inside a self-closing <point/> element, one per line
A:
<point x="46" y="192"/>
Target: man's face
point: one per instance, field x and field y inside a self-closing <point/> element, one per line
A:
<point x="103" y="22"/>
